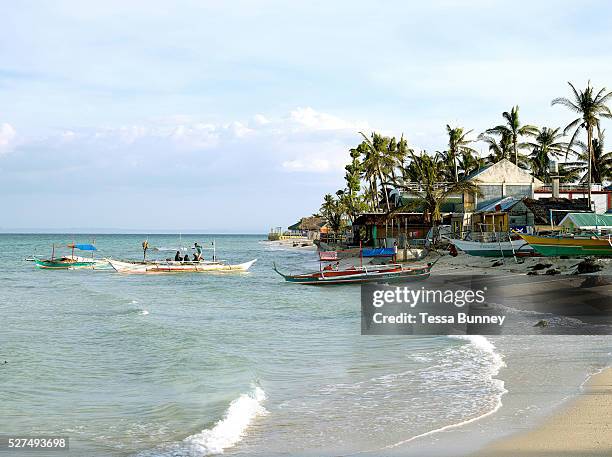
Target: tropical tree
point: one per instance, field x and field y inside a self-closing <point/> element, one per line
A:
<point x="333" y="211"/>
<point x="353" y="202"/>
<point x="431" y="194"/>
<point x="513" y="130"/>
<point x="547" y="144"/>
<point x="590" y="106"/>
<point x="499" y="149"/>
<point x="601" y="165"/>
<point x="458" y="146"/>
<point x="469" y="163"/>
<point x="378" y="163"/>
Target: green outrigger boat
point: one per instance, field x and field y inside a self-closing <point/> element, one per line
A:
<point x="571" y="246"/>
<point x="71" y="261"/>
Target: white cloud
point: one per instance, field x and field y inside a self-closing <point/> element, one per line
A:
<point x="308" y="118"/>
<point x="7" y="137"/>
<point x="314" y="165"/>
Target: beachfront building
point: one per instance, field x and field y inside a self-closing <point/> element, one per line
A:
<point x="502" y="185"/>
<point x="312" y="227"/>
<point x="601" y="196"/>
<point x="380" y="229"/>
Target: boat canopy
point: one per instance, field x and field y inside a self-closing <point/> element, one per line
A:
<point x="378" y="252"/>
<point x="83" y="247"/>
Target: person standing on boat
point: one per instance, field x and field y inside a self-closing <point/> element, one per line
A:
<point x="145" y="246"/>
<point x="198" y="249"/>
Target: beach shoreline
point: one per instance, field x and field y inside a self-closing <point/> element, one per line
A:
<point x="582" y="427"/>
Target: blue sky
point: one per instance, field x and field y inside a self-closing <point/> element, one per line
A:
<point x="237" y="116"/>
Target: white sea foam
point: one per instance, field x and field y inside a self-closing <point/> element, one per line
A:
<point x="226" y="433"/>
<point x="144" y="312"/>
<point x="231" y="429"/>
<point x="487" y="349"/>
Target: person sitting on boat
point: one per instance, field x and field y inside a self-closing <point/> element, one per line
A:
<point x="177" y="257"/>
<point x="186" y="259"/>
<point x="195" y="257"/>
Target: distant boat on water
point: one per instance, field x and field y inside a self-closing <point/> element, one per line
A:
<point x="70" y="262"/>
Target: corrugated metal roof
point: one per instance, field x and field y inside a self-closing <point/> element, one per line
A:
<point x="504" y="203"/>
<point x="588" y="220"/>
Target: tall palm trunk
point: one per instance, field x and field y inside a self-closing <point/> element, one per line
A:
<point x="373" y="194"/>
<point x="380" y="176"/>
<point x="456" y="167"/>
<point x="590" y="159"/>
<point x="514" y="139"/>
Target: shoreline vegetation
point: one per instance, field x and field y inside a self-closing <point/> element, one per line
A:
<point x="381" y="165"/>
<point x="581" y="428"/>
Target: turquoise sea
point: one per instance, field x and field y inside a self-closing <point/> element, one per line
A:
<point x="245" y="364"/>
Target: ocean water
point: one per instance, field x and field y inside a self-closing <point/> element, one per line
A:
<point x="246" y="364"/>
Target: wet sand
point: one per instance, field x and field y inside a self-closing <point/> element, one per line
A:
<point x="583" y="428"/>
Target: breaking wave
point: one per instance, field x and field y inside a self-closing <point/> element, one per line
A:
<point x="226" y="433"/>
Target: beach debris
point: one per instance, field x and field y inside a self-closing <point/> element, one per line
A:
<point x="541" y="323"/>
<point x="497" y="263"/>
<point x="553" y="272"/>
<point x="532" y="273"/>
<point x="541" y="266"/>
<point x="589" y="265"/>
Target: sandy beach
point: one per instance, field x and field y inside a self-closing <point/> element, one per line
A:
<point x="581" y="429"/>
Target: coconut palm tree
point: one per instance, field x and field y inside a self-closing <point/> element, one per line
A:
<point x="458" y="146"/>
<point x="377" y="162"/>
<point x="469" y="163"/>
<point x="547" y="144"/>
<point x="425" y="170"/>
<point x="590" y="106"/>
<point x="332" y="210"/>
<point x="499" y="149"/>
<point x="601" y="164"/>
<point x="513" y="130"/>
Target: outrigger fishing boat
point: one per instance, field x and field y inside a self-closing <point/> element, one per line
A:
<point x="507" y="248"/>
<point x="71" y="262"/>
<point x="177" y="266"/>
<point x="333" y="274"/>
<point x="170" y="266"/>
<point x="571" y="245"/>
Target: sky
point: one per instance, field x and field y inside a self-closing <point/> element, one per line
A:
<point x="234" y="117"/>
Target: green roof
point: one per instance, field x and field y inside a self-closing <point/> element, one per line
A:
<point x="588" y="220"/>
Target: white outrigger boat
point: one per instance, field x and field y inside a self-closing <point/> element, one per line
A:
<point x="169" y="266"/>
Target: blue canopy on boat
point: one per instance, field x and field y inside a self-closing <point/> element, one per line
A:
<point x="83" y="247"/>
<point x="378" y="252"/>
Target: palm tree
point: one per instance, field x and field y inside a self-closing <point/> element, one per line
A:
<point x="590" y="107"/>
<point x="469" y="163"/>
<point x="601" y="165"/>
<point x="377" y="162"/>
<point x="546" y="145"/>
<point x="332" y="210"/>
<point x="499" y="149"/>
<point x="425" y="170"/>
<point x="513" y="130"/>
<point x="458" y="146"/>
